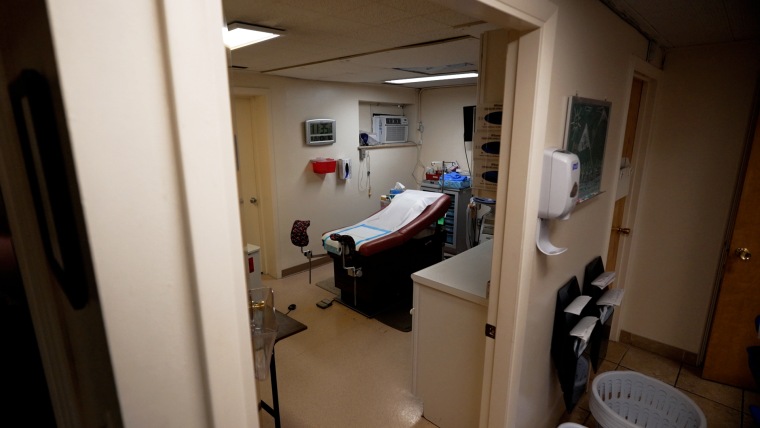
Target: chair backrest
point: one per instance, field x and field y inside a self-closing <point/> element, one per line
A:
<point x="298" y="235"/>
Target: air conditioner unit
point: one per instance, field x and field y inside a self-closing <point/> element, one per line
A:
<point x="390" y="129"/>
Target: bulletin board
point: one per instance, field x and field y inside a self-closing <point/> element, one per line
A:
<point x="586" y="136"/>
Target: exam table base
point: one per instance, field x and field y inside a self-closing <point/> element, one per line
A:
<point x="386" y="276"/>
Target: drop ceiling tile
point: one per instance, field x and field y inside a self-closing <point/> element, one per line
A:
<point x="336" y="26"/>
<point x="327" y="7"/>
<point x="463" y="51"/>
<point x="415" y="8"/>
<point x="451" y="18"/>
<point x="372" y="14"/>
<point x="743" y="19"/>
<point x="648" y="7"/>
<point x="417" y="25"/>
<point x="270" y="14"/>
<point x="689" y="26"/>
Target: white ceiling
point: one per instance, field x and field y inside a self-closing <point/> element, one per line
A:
<point x="367" y="41"/>
<point x="370" y="41"/>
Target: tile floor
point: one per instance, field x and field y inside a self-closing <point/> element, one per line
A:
<point x="723" y="406"/>
<point x="349" y="371"/>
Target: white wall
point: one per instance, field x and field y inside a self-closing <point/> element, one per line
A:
<point x="325" y="200"/>
<point x="443" y="139"/>
<point x="150" y="129"/>
<point x="702" y="114"/>
<point x="591" y="58"/>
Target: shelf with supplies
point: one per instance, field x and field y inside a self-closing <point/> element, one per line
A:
<point x="384" y="146"/>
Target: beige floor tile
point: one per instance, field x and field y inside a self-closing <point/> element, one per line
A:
<point x="689" y="380"/>
<point x="751" y="398"/>
<point x="616" y="351"/>
<point x="578" y="415"/>
<point x="717" y="415"/>
<point x="747" y="422"/>
<point x="651" y="365"/>
<point x="345" y="370"/>
<point x="606" y="366"/>
<point x="590" y="421"/>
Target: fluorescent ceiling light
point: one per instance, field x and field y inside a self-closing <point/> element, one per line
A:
<point x="432" y="78"/>
<point x="239" y="34"/>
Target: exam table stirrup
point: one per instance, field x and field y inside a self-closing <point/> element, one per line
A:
<point x="300" y="238"/>
<point x="348" y="246"/>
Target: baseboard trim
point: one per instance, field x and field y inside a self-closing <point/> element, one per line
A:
<point x="315" y="261"/>
<point x="658" y="348"/>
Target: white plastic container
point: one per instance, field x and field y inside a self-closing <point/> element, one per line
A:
<point x="626" y="399"/>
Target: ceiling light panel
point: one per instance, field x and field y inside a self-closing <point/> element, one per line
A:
<point x="239" y="34"/>
<point x="433" y="78"/>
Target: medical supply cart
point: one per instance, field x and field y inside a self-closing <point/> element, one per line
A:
<point x="455" y="222"/>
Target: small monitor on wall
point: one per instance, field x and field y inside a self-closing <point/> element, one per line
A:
<point x="469" y="122"/>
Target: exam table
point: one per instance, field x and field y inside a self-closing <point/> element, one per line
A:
<point x="373" y="260"/>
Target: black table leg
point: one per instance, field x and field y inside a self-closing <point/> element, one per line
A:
<point x="274" y="410"/>
<point x="275" y="397"/>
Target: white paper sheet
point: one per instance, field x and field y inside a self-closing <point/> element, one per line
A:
<point x="404" y="208"/>
<point x="611" y="297"/>
<point x="582" y="331"/>
<point x="576" y="306"/>
<point x="584" y="327"/>
<point x="604" y="279"/>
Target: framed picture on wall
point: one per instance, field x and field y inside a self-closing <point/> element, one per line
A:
<point x="586" y="136"/>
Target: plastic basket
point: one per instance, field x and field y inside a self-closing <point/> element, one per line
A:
<point x="625" y="399"/>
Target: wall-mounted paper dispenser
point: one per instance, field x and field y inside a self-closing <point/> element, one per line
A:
<point x="344" y="169"/>
<point x="559" y="193"/>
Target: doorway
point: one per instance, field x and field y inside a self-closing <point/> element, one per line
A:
<point x="733" y="326"/>
<point x="619" y="231"/>
<point x="632" y="161"/>
<point x="255" y="196"/>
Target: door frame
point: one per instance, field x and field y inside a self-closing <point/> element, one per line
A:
<point x="265" y="177"/>
<point x="651" y="76"/>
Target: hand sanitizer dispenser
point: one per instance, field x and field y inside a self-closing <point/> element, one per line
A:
<point x="559" y="184"/>
<point x="559" y="193"/>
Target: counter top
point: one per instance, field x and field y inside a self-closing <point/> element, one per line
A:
<point x="465" y="275"/>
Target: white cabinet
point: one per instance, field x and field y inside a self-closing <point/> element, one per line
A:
<point x="448" y="329"/>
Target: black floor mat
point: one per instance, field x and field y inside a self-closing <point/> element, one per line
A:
<point x="396" y="316"/>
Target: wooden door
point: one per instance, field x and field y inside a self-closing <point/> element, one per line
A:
<point x="733" y="325"/>
<point x="248" y="192"/>
<point x="618" y="229"/>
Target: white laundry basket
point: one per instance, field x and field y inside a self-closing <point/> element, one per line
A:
<point x="625" y="399"/>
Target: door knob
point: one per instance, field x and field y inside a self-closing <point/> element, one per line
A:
<point x="743" y="254"/>
<point x="254" y="200"/>
<point x="622" y="230"/>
